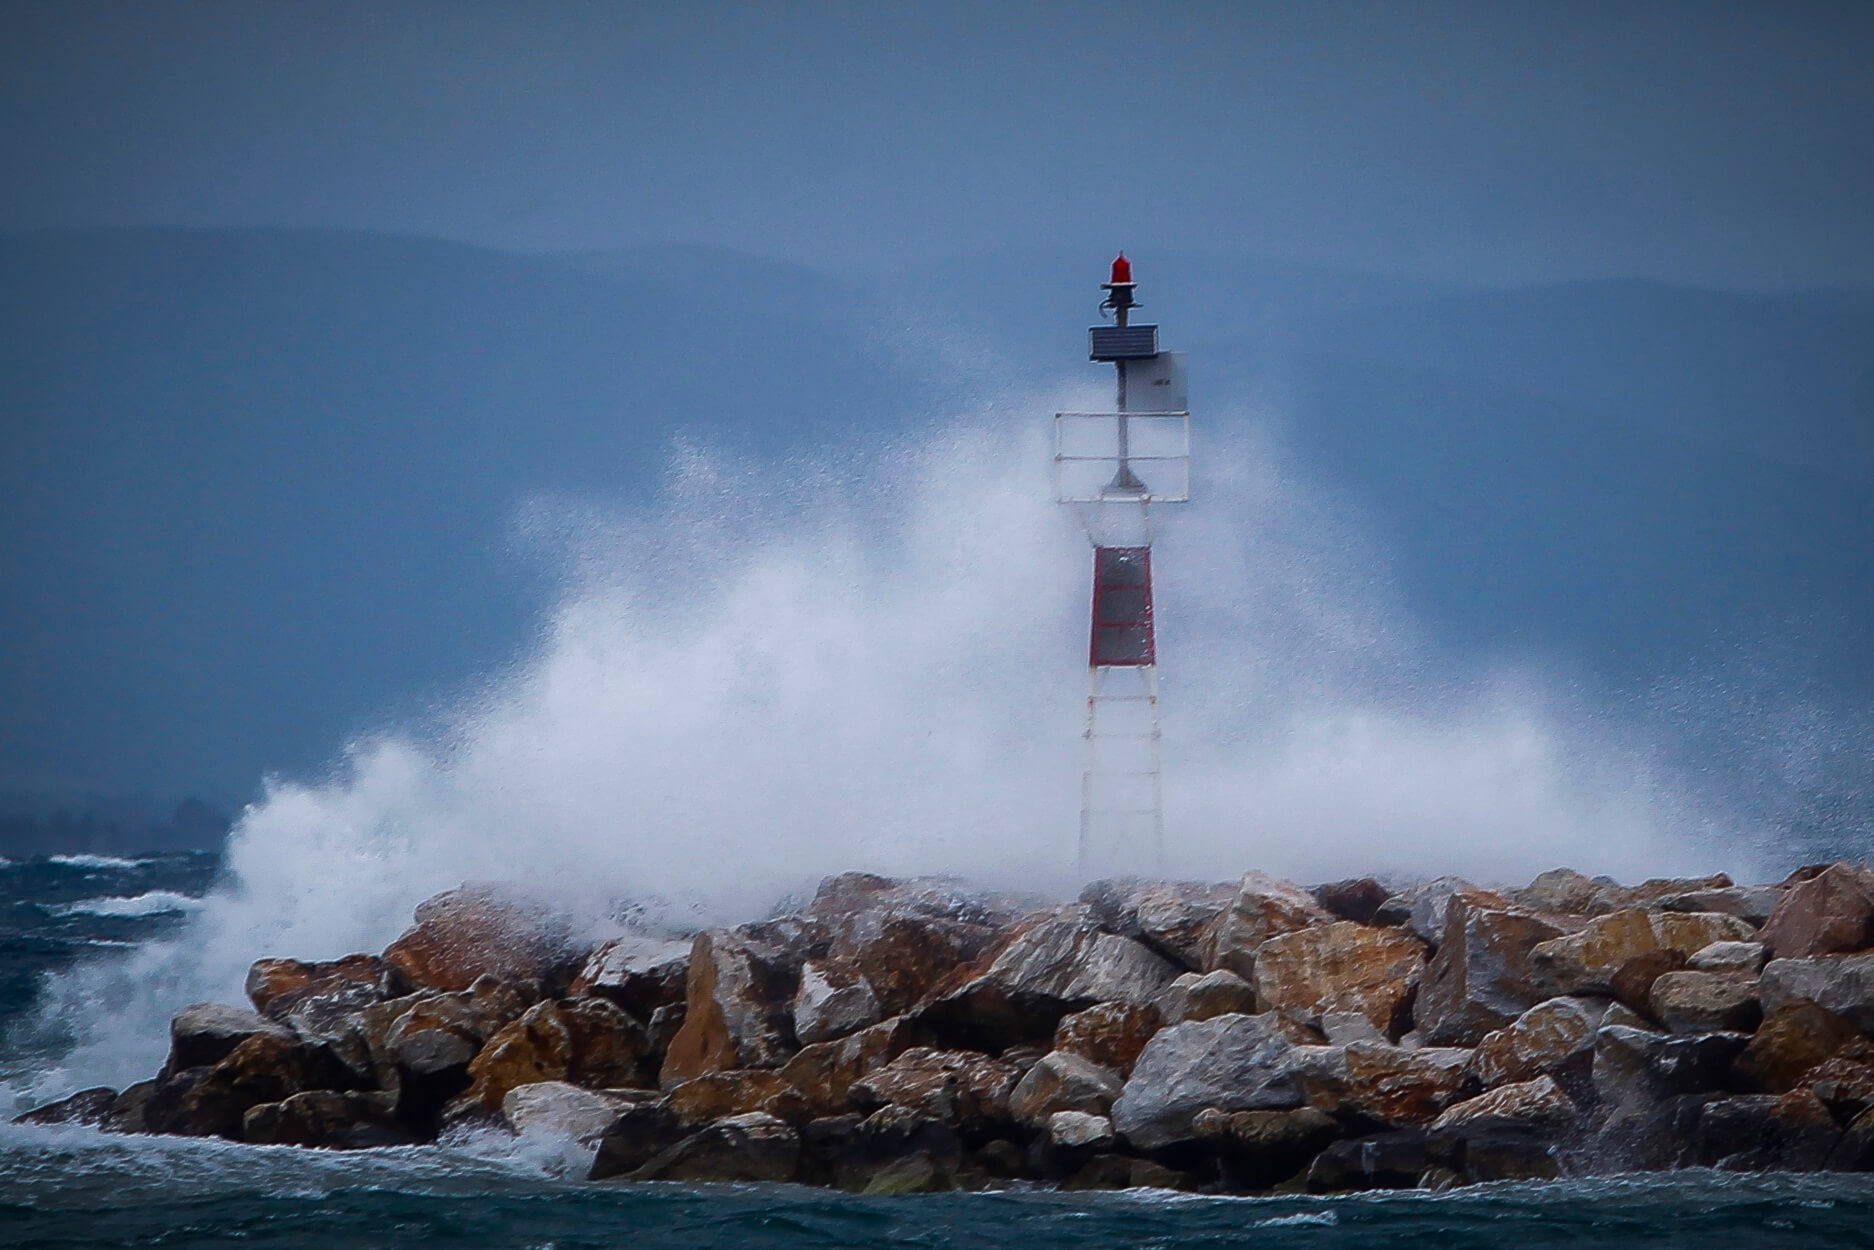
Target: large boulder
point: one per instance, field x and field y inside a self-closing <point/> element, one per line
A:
<point x="738" y="1005"/>
<point x="1194" y="997"/>
<point x="265" y="1067"/>
<point x="467" y="933"/>
<point x="1063" y="1082"/>
<point x="1538" y="1103"/>
<point x="277" y="986"/>
<point x="1707" y="1002"/>
<point x="640" y="974"/>
<point x="1791" y="1132"/>
<point x="1341" y="967"/>
<point x="1590" y="960"/>
<point x="1264" y="907"/>
<point x="329" y="1120"/>
<point x="583" y="1041"/>
<point x="1062" y="964"/>
<point x="206" y="1033"/>
<point x="722" y="1094"/>
<point x="825" y="1071"/>
<point x="1634" y="1067"/>
<point x="558" y="1109"/>
<point x="1357" y="899"/>
<point x="903" y="937"/>
<point x="87" y="1106"/>
<point x="834" y="999"/>
<point x="1564" y="891"/>
<point x="1845" y="1086"/>
<point x="1422" y="907"/>
<point x="1753" y="904"/>
<point x="1829" y="914"/>
<point x="1168" y="916"/>
<point x="1539" y="1042"/>
<point x="1232" y="1063"/>
<point x="1794" y="1038"/>
<point x="1840" y="984"/>
<point x="895" y="1150"/>
<point x="1379" y="1083"/>
<point x="753" y="1147"/>
<point x="1111" y="1035"/>
<point x="1394" y="1160"/>
<point x="965" y="1089"/>
<point x="1259" y="1149"/>
<point x="637" y="1134"/>
<point x="422" y="1044"/>
<point x="1080" y="1130"/>
<point x="1729" y="957"/>
<point x="1482" y="975"/>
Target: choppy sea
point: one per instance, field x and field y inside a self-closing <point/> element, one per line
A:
<point x="70" y="1187"/>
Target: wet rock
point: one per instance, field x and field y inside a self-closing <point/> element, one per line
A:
<point x="904" y="937"/>
<point x="1563" y="891"/>
<point x="1753" y="904"/>
<point x="1218" y="993"/>
<point x="824" y="1072"/>
<point x="1840" y="984"/>
<point x="130" y="1112"/>
<point x="1380" y="1083"/>
<point x="1080" y="1130"/>
<point x="1707" y="1002"/>
<point x="1762" y="1132"/>
<point x="276" y="986"/>
<point x="463" y="934"/>
<point x="1393" y="1160"/>
<point x="1845" y="1086"/>
<point x="898" y="1149"/>
<point x="1792" y="1039"/>
<point x="1483" y="974"/>
<point x="329" y="1120"/>
<point x="1633" y="1066"/>
<point x="432" y="1037"/>
<point x="1260" y="1149"/>
<point x="583" y="1041"/>
<point x="1058" y="966"/>
<point x="723" y="1094"/>
<point x="1104" y="1171"/>
<point x="1232" y="1063"/>
<point x="1728" y="957"/>
<point x="267" y="1066"/>
<point x="965" y="1089"/>
<point x="1504" y="1135"/>
<point x="564" y="1110"/>
<point x="1539" y="1103"/>
<point x="738" y="1003"/>
<point x="1264" y="907"/>
<point x="1341" y="967"/>
<point x="834" y="999"/>
<point x="1063" y="1082"/>
<point x="1855" y="1151"/>
<point x="1652" y="893"/>
<point x="1357" y="899"/>
<point x="1422" y="908"/>
<point x="752" y="1147"/>
<point x="640" y="974"/>
<point x="1538" y="1042"/>
<point x="87" y="1106"/>
<point x="637" y="1134"/>
<point x="207" y="1033"/>
<point x="1111" y="1035"/>
<point x="1587" y="962"/>
<point x="1633" y="982"/>
<point x="1168" y="916"/>
<point x="1830" y="914"/>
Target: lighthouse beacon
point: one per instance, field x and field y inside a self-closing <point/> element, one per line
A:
<point x="1113" y="469"/>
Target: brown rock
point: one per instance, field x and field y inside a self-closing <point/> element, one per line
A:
<point x="466" y="933"/>
<point x="207" y="1033"/>
<point x="1422" y="907"/>
<point x="1842" y="984"/>
<point x="1230" y="1063"/>
<point x="1216" y="993"/>
<point x="1753" y="1133"/>
<point x="1063" y="1082"/>
<point x="1791" y="1041"/>
<point x="1753" y="904"/>
<point x="1483" y="975"/>
<point x="737" y="1014"/>
<point x="583" y="1041"/>
<point x="1845" y="1086"/>
<point x="1539" y="1041"/>
<point x="1562" y="890"/>
<point x="961" y="1088"/>
<point x="1108" y="1034"/>
<point x="640" y="974"/>
<point x="1830" y="914"/>
<point x="834" y="999"/>
<point x="1707" y="1002"/>
<point x="1587" y="961"/>
<point x="1341" y="967"/>
<point x="1259" y="1149"/>
<point x="1264" y="907"/>
<point x="747" y="1148"/>
<point x="723" y="1094"/>
<point x="824" y="1072"/>
<point x="328" y="1120"/>
<point x="1633" y="980"/>
<point x="905" y="936"/>
<point x="87" y="1106"/>
<point x="275" y="986"/>
<point x="264" y="1067"/>
<point x="1357" y="899"/>
<point x="639" y="1133"/>
<point x="1538" y="1102"/>
<point x="1168" y="916"/>
<point x="1381" y="1082"/>
<point x="1059" y="965"/>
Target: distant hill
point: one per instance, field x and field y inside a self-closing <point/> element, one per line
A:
<point x="282" y="461"/>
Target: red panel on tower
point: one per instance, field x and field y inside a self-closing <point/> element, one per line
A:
<point x="1122" y="608"/>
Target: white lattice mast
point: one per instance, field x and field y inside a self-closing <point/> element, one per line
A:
<point x="1112" y="468"/>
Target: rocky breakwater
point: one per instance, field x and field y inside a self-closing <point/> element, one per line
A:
<point x="898" y="1036"/>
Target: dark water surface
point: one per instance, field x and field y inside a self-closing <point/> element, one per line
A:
<point x="71" y="1187"/>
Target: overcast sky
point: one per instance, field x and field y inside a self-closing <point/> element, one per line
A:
<point x="1722" y="144"/>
